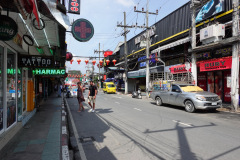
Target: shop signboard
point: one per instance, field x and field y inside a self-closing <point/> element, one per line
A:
<point x="82" y="30"/>
<point x="35" y="61"/>
<point x="216" y="64"/>
<point x="74" y="6"/>
<point x="179" y="69"/>
<point x="44" y="71"/>
<point x="8" y="28"/>
<point x="211" y="8"/>
<point x="152" y="60"/>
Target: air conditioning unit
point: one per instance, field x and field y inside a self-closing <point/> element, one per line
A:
<point x="212" y="33"/>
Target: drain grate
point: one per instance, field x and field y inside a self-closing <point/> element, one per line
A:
<point x="86" y="139"/>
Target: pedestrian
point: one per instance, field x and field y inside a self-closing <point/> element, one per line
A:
<point x="80" y="97"/>
<point x="92" y="96"/>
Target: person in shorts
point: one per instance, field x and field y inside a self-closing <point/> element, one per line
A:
<point x="92" y="96"/>
<point x="80" y="97"/>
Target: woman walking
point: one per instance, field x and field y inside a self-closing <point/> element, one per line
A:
<point x="80" y="97"/>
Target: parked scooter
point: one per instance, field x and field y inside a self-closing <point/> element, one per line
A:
<point x="137" y="94"/>
<point x="68" y="95"/>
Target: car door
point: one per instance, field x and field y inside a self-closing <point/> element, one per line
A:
<point x="164" y="96"/>
<point x="174" y="94"/>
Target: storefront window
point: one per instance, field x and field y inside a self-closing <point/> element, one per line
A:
<point x="11" y="88"/>
<point x="1" y="88"/>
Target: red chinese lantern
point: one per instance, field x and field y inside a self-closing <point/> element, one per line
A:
<point x="93" y="62"/>
<point x="84" y="74"/>
<point x="107" y="61"/>
<point x="108" y="53"/>
<point x="86" y="61"/>
<point x="114" y="61"/>
<point x="69" y="56"/>
<point x="79" y="60"/>
<point x="101" y="62"/>
<point x="71" y="61"/>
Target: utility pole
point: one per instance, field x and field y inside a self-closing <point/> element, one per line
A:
<point x="99" y="52"/>
<point x="147" y="45"/>
<point x="194" y="58"/>
<point x="125" y="26"/>
<point x="235" y="57"/>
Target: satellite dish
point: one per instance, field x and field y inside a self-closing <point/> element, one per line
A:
<point x="188" y="66"/>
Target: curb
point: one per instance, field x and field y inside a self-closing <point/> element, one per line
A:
<point x="64" y="133"/>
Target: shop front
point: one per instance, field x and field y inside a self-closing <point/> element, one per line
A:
<point x="215" y="76"/>
<point x="180" y="73"/>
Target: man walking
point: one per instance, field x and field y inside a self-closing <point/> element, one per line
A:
<point x="92" y="96"/>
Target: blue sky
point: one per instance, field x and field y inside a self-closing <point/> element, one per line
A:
<point x="104" y="15"/>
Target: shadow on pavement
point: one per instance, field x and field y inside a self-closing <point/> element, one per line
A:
<point x="91" y="131"/>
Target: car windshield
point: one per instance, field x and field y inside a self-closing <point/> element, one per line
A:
<point x="111" y="86"/>
<point x="191" y="88"/>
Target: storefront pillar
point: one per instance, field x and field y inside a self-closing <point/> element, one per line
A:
<point x="235" y="57"/>
<point x="194" y="68"/>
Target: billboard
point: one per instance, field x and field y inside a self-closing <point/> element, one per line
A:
<point x="210" y="9"/>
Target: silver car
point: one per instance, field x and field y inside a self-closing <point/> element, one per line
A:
<point x="192" y="99"/>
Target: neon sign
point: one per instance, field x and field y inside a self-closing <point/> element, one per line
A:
<point x="49" y="71"/>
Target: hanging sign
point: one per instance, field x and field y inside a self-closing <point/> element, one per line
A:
<point x="74" y="6"/>
<point x="8" y="28"/>
<point x="216" y="64"/>
<point x="35" y="61"/>
<point x="82" y="30"/>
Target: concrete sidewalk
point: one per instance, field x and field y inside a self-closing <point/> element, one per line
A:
<point x="40" y="138"/>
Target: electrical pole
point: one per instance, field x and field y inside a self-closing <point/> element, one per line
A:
<point x="125" y="26"/>
<point x="147" y="45"/>
<point x="99" y="52"/>
<point x="235" y="57"/>
<point x="194" y="58"/>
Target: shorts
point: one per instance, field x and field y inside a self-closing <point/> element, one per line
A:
<point x="91" y="99"/>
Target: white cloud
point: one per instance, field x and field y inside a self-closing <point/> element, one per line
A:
<point x="126" y="3"/>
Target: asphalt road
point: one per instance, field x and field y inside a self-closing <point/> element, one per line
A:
<point x="134" y="129"/>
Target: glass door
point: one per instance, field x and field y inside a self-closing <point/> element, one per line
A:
<point x="11" y="88"/>
<point x="19" y="99"/>
<point x="1" y="89"/>
<point x="24" y="90"/>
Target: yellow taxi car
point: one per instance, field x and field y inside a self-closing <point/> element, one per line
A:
<point x="109" y="87"/>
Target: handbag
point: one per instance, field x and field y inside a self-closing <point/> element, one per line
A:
<point x="82" y="99"/>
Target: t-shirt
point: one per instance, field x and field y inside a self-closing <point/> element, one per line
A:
<point x="92" y="90"/>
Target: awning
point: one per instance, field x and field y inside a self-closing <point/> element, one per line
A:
<point x="57" y="15"/>
<point x="115" y="69"/>
<point x="173" y="44"/>
<point x="137" y="74"/>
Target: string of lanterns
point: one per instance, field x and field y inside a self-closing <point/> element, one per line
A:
<point x="94" y="62"/>
<point x="69" y="57"/>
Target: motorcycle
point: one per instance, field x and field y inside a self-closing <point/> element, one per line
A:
<point x="137" y="94"/>
<point x="68" y="95"/>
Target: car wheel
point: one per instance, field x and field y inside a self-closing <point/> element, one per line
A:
<point x="158" y="101"/>
<point x="189" y="106"/>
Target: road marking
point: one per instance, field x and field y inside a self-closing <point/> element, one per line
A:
<point x="138" y="109"/>
<point x="105" y="98"/>
<point x="117" y="102"/>
<point x="117" y="97"/>
<point x="185" y="124"/>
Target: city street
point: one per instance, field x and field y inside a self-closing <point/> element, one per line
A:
<point x="127" y="128"/>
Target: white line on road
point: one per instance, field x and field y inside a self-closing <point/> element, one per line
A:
<point x="117" y="102"/>
<point x="185" y="124"/>
<point x="117" y="97"/>
<point x="138" y="109"/>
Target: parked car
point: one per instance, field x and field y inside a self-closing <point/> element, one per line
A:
<point x="189" y="96"/>
<point x="109" y="87"/>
